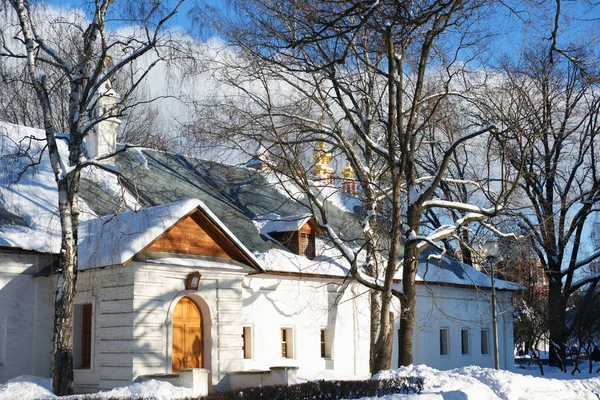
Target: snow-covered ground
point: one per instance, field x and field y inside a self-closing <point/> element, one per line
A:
<point x="468" y="383"/>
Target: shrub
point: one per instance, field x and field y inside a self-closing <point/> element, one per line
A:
<point x="325" y="390"/>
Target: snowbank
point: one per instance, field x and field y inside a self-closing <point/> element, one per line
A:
<point x="33" y="388"/>
<point x="468" y="383"/>
<point x="27" y="387"/>
<point x="151" y="389"/>
<point x="477" y="383"/>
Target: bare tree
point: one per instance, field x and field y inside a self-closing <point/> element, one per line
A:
<point x="144" y="123"/>
<point x="358" y="78"/>
<point x="531" y="324"/>
<point x="15" y="98"/>
<point x="583" y="325"/>
<point x="84" y="70"/>
<point x="518" y="263"/>
<point x="553" y="101"/>
<point x="550" y="95"/>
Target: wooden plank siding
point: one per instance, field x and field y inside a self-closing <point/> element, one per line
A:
<point x="197" y="235"/>
<point x="293" y="240"/>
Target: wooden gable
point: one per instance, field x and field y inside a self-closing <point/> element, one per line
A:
<point x="195" y="234"/>
<point x="311" y="227"/>
<point x="302" y="241"/>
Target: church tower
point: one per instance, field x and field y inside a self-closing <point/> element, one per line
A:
<point x="349" y="181"/>
<point x="321" y="170"/>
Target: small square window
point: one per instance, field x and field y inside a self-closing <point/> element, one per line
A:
<point x="464" y="341"/>
<point x="485" y="342"/>
<point x="444" y="349"/>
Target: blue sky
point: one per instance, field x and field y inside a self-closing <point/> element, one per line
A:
<point x="512" y="27"/>
<point x="181" y="19"/>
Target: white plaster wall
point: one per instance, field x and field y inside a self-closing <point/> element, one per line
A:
<point x="157" y="290"/>
<point x="132" y="320"/>
<point x="110" y="291"/>
<point x="306" y="305"/>
<point x="26" y="312"/>
<point x="456" y="309"/>
<point x="132" y="308"/>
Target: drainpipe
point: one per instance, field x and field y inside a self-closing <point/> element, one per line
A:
<point x="355" y="326"/>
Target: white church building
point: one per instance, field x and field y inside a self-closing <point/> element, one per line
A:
<point x="192" y="265"/>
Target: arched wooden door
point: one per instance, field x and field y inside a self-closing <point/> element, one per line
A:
<point x="188" y="345"/>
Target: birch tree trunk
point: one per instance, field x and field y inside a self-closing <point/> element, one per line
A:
<point x="84" y="69"/>
<point x="62" y="352"/>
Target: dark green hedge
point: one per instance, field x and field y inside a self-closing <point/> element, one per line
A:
<point x="318" y="390"/>
<point x="324" y="390"/>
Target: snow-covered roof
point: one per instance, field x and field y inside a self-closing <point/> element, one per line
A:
<point x="435" y="269"/>
<point x="116" y="239"/>
<point x="28" y="194"/>
<point x="277" y="223"/>
<point x="328" y="262"/>
<point x="253" y="162"/>
<point x="234" y="198"/>
<point x="432" y="270"/>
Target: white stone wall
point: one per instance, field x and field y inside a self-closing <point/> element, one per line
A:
<point x="26" y="313"/>
<point x="307" y="305"/>
<point x="110" y="291"/>
<point x="457" y="309"/>
<point x="158" y="288"/>
<point x="132" y="322"/>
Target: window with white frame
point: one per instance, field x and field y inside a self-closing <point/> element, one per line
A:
<point x="325" y="343"/>
<point x="485" y="341"/>
<point x="247" y="342"/>
<point x="464" y="341"/>
<point x="287" y="343"/>
<point x="444" y="339"/>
